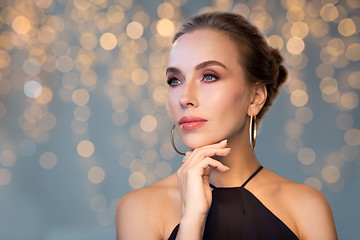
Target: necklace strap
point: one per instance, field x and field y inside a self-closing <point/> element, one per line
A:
<point x="253" y="175"/>
<point x="248" y="180"/>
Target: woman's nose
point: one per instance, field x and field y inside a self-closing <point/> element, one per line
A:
<point x="189" y="96"/>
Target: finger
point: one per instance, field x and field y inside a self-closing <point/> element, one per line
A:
<point x="223" y="143"/>
<point x="208" y="161"/>
<point x="210" y="152"/>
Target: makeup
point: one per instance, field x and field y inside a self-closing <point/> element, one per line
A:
<point x="191" y="122"/>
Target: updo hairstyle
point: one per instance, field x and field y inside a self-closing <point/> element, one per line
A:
<point x="261" y="63"/>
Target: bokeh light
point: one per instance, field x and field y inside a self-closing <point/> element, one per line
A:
<point x="81" y="75"/>
<point x="85" y="148"/>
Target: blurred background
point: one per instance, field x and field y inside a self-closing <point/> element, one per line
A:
<point x="83" y="115"/>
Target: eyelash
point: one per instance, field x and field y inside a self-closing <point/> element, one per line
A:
<point x="171" y="80"/>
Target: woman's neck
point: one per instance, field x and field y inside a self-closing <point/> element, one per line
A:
<point x="242" y="162"/>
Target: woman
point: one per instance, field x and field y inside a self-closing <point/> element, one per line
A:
<point x="223" y="76"/>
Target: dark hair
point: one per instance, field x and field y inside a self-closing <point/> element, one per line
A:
<point x="261" y="63"/>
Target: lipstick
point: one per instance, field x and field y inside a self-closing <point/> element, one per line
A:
<point x="191" y="122"/>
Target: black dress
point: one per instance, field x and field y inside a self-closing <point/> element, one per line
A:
<point x="235" y="214"/>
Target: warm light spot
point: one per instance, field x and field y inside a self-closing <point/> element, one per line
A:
<point x="295" y="45"/>
<point x="314" y="182"/>
<point x="7" y="158"/>
<point x="46" y="34"/>
<point x="347" y="27"/>
<point x="32" y="66"/>
<point x="299" y="98"/>
<point x="328" y="85"/>
<point x="148" y="123"/>
<point x="336" y="46"/>
<point x="331" y="98"/>
<point x="47" y="121"/>
<point x="48" y="160"/>
<point x="295" y="14"/>
<point x="85" y="148"/>
<point x="115" y="14"/>
<point x="160" y="94"/>
<point x="354" y="80"/>
<point x="139" y="76"/>
<point x="32" y="89"/>
<point x="352" y="137"/>
<point x="21" y="25"/>
<point x="319" y="28"/>
<point x="43" y="3"/>
<point x="349" y="100"/>
<point x="96" y="175"/>
<point x="299" y="29"/>
<point x="353" y="3"/>
<point x="137" y="180"/>
<point x="82" y="4"/>
<point x="120" y="103"/>
<point x="353" y="52"/>
<point x="64" y="64"/>
<point x="242" y="9"/>
<point x="306" y="156"/>
<point x="88" y="40"/>
<point x="331" y="174"/>
<point x="304" y="115"/>
<point x="165" y="27"/>
<point x="134" y="30"/>
<point x="275" y="41"/>
<point x="5" y="176"/>
<point x="108" y="41"/>
<point x="165" y="10"/>
<point x="45" y="96"/>
<point x="5" y="59"/>
<point x="80" y="97"/>
<point x="344" y="121"/>
<point x="329" y="12"/>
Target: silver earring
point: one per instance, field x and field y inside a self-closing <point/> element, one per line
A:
<point x="173" y="142"/>
<point x="252" y="131"/>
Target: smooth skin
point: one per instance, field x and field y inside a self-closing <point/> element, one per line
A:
<point x="207" y="81"/>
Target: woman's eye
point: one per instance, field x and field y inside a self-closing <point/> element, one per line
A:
<point x="209" y="77"/>
<point x="173" y="82"/>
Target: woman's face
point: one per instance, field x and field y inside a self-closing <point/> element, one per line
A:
<point x="208" y="95"/>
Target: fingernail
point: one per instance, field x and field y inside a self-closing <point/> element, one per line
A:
<point x="224" y="141"/>
<point x="227" y="168"/>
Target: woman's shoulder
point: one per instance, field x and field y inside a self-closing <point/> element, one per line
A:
<point x="142" y="207"/>
<point x="309" y="208"/>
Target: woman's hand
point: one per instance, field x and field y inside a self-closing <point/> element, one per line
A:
<point x="195" y="191"/>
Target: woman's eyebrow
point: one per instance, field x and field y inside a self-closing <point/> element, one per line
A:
<point x="198" y="67"/>
<point x="209" y="63"/>
<point x="172" y="70"/>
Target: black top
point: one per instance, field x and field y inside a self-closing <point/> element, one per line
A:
<point x="235" y="213"/>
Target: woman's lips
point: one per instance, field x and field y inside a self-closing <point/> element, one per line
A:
<point x="191" y="122"/>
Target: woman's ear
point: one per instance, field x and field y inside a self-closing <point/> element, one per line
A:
<point x="258" y="99"/>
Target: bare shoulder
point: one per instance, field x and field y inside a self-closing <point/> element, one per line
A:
<point x="144" y="209"/>
<point x="310" y="213"/>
